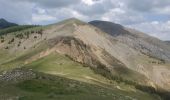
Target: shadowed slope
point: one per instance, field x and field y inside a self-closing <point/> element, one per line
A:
<point x="6" y="24"/>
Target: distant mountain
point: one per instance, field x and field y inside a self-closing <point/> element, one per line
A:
<point x="6" y="24"/>
<point x="110" y="27"/>
<point x="135" y="39"/>
<point x="168" y="42"/>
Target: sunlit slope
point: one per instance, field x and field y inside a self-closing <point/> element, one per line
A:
<point x="44" y="48"/>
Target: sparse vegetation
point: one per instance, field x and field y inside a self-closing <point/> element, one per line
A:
<point x="47" y="87"/>
<point x="6" y="47"/>
<point x="40" y="32"/>
<point x="11" y="41"/>
<point x="2" y="41"/>
<point x="20" y="36"/>
<point x="1" y="37"/>
<point x="27" y="34"/>
<point x="16" y="29"/>
<point x="19" y="44"/>
<point x="35" y="37"/>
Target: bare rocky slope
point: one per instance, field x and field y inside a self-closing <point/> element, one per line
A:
<point x="148" y="55"/>
<point x="137" y="40"/>
<point x="123" y="54"/>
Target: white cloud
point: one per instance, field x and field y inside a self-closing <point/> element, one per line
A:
<point x="158" y="29"/>
<point x="105" y="18"/>
<point x="36" y="18"/>
<point x="78" y="15"/>
<point x="164" y="10"/>
<point x="40" y="10"/>
<point x="88" y="2"/>
<point x="147" y="15"/>
<point x="15" y="12"/>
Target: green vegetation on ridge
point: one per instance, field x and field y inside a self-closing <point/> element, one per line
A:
<point x="15" y="29"/>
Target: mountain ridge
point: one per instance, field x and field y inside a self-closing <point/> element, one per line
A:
<point x="134" y="37"/>
<point x="6" y="24"/>
<point x="105" y="54"/>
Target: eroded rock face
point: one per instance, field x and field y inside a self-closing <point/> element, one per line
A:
<point x="95" y="57"/>
<point x="75" y="49"/>
<point x="17" y="75"/>
<point x="139" y="52"/>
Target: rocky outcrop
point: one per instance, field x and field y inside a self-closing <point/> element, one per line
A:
<point x="17" y="75"/>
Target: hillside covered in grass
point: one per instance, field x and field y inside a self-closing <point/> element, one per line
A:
<point x="34" y="85"/>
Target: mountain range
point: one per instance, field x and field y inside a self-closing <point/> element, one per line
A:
<point x="72" y="59"/>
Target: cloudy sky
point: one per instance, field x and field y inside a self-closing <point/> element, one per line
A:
<point x="150" y="16"/>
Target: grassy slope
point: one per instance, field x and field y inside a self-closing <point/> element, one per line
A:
<point x="60" y="65"/>
<point x="47" y="87"/>
<point x="7" y="55"/>
<point x="10" y="61"/>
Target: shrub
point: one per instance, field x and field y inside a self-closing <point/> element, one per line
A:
<point x="2" y="41"/>
<point x="7" y="47"/>
<point x="1" y="37"/>
<point x="20" y="36"/>
<point x="35" y="37"/>
<point x="12" y="40"/>
<point x="32" y="31"/>
<point x="40" y="32"/>
<point x="27" y="34"/>
<point x="19" y="44"/>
